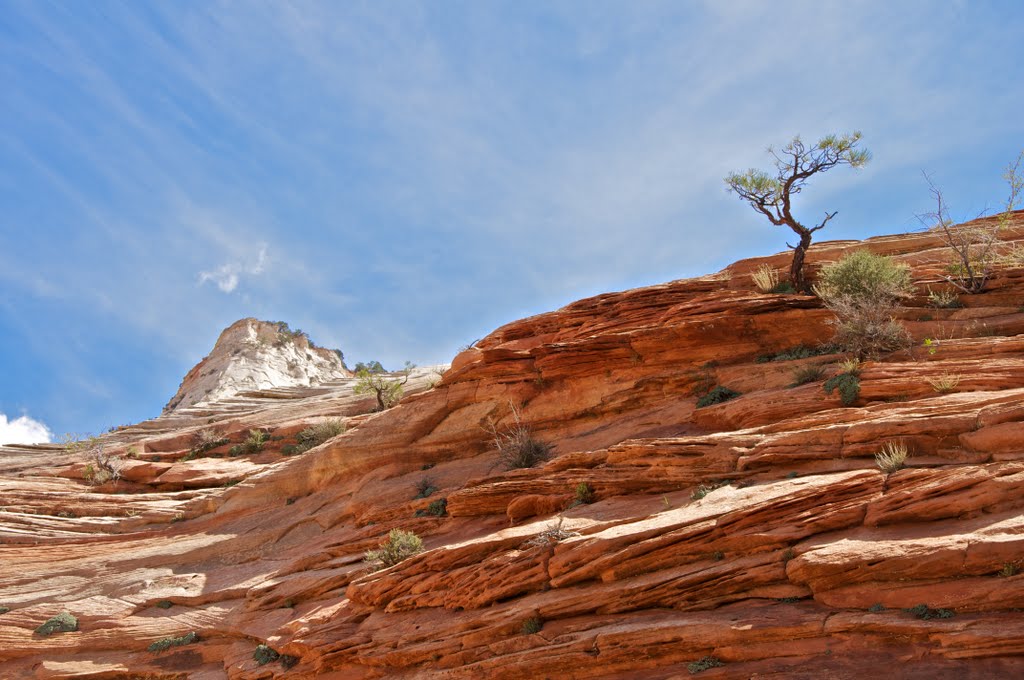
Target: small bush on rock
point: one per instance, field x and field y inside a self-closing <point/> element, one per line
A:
<point x="863" y="290"/>
<point x="314" y="436"/>
<point x="807" y="374"/>
<point x="704" y="664"/>
<point x="923" y="612"/>
<point x="264" y="654"/>
<point x="717" y="395"/>
<point x="583" y="494"/>
<point x="64" y="622"/>
<point x="892" y="457"/>
<point x="848" y="385"/>
<point x="516" y="445"/>
<point x="167" y="643"/>
<point x="252" y="444"/>
<point x="437" y="508"/>
<point x="532" y="625"/>
<point x="400" y="545"/>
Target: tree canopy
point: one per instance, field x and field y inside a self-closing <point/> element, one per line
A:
<point x="771" y="194"/>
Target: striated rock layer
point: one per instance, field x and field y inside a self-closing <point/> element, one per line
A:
<point x="755" y="538"/>
<point x="252" y="355"/>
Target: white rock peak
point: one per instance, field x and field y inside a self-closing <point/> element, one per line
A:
<point x="256" y="355"/>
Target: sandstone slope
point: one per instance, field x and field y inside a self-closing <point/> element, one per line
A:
<point x="757" y="534"/>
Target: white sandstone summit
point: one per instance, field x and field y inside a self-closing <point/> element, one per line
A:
<point x="255" y="355"/>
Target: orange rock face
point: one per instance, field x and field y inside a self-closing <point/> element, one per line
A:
<point x="755" y="538"/>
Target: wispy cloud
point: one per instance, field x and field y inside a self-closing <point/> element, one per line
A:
<point x="399" y="177"/>
<point x="226" y="276"/>
<point x="23" y="430"/>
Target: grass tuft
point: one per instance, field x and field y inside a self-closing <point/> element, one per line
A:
<point x="892" y="456"/>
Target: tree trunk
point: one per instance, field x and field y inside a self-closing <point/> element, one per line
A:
<point x="796" y="270"/>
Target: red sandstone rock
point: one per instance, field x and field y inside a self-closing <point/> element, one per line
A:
<point x="759" y="531"/>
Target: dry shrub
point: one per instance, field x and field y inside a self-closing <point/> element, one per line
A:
<point x="864" y="291"/>
<point x="516" y="445"/>
<point x="892" y="456"/>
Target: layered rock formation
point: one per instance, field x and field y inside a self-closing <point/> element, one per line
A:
<point x="252" y="355"/>
<point x="755" y="538"/>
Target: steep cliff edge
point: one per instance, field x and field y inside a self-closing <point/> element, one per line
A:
<point x="257" y="355"/>
<point x="752" y="538"/>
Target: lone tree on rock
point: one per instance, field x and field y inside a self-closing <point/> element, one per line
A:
<point x="772" y="195"/>
<point x="388" y="391"/>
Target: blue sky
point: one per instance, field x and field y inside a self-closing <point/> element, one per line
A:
<point x="399" y="178"/>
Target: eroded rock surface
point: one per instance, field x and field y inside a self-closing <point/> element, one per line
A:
<point x="252" y="355"/>
<point x="756" y="538"/>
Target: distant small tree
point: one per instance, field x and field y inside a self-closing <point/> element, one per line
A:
<point x="772" y="195"/>
<point x="387" y="390"/>
<point x="369" y="367"/>
<point x="973" y="245"/>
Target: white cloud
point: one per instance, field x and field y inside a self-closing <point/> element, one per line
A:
<point x="227" y="275"/>
<point x="23" y="430"/>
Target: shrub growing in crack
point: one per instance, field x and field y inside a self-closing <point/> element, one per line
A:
<point x="553" y="534"/>
<point x="704" y="664"/>
<point x="65" y="622"/>
<point x="532" y="625"/>
<point x="264" y="654"/>
<point x="167" y="643"/>
<point x="400" y="545"/>
<point x="923" y="612"/>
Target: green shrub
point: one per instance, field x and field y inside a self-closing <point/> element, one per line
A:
<point x="717" y="395"/>
<point x="848" y="385"/>
<point x="287" y="660"/>
<point x="532" y="625"/>
<point x="424" y="487"/>
<point x="863" y="289"/>
<point x="876" y="608"/>
<point x="400" y="545"/>
<point x="703" y="490"/>
<point x="317" y="434"/>
<point x="264" y="655"/>
<point x="64" y="622"/>
<point x="807" y="374"/>
<point x="944" y="299"/>
<point x="164" y="604"/>
<point x="1009" y="569"/>
<point x="799" y="352"/>
<point x="704" y="664"/>
<point x="923" y="612"/>
<point x="253" y="443"/>
<point x="583" y="494"/>
<point x="437" y="508"/>
<point x="864" y="277"/>
<point x="4" y="610"/>
<point x="167" y="643"/>
<point x="203" y="441"/>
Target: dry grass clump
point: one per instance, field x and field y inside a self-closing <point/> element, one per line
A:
<point x="766" y="278"/>
<point x="516" y="445"/>
<point x="892" y="456"/>
<point x="947" y="382"/>
<point x="553" y="534"/>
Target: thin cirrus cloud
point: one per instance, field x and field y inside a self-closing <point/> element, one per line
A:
<point x="226" y="276"/>
<point x="399" y="178"/>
